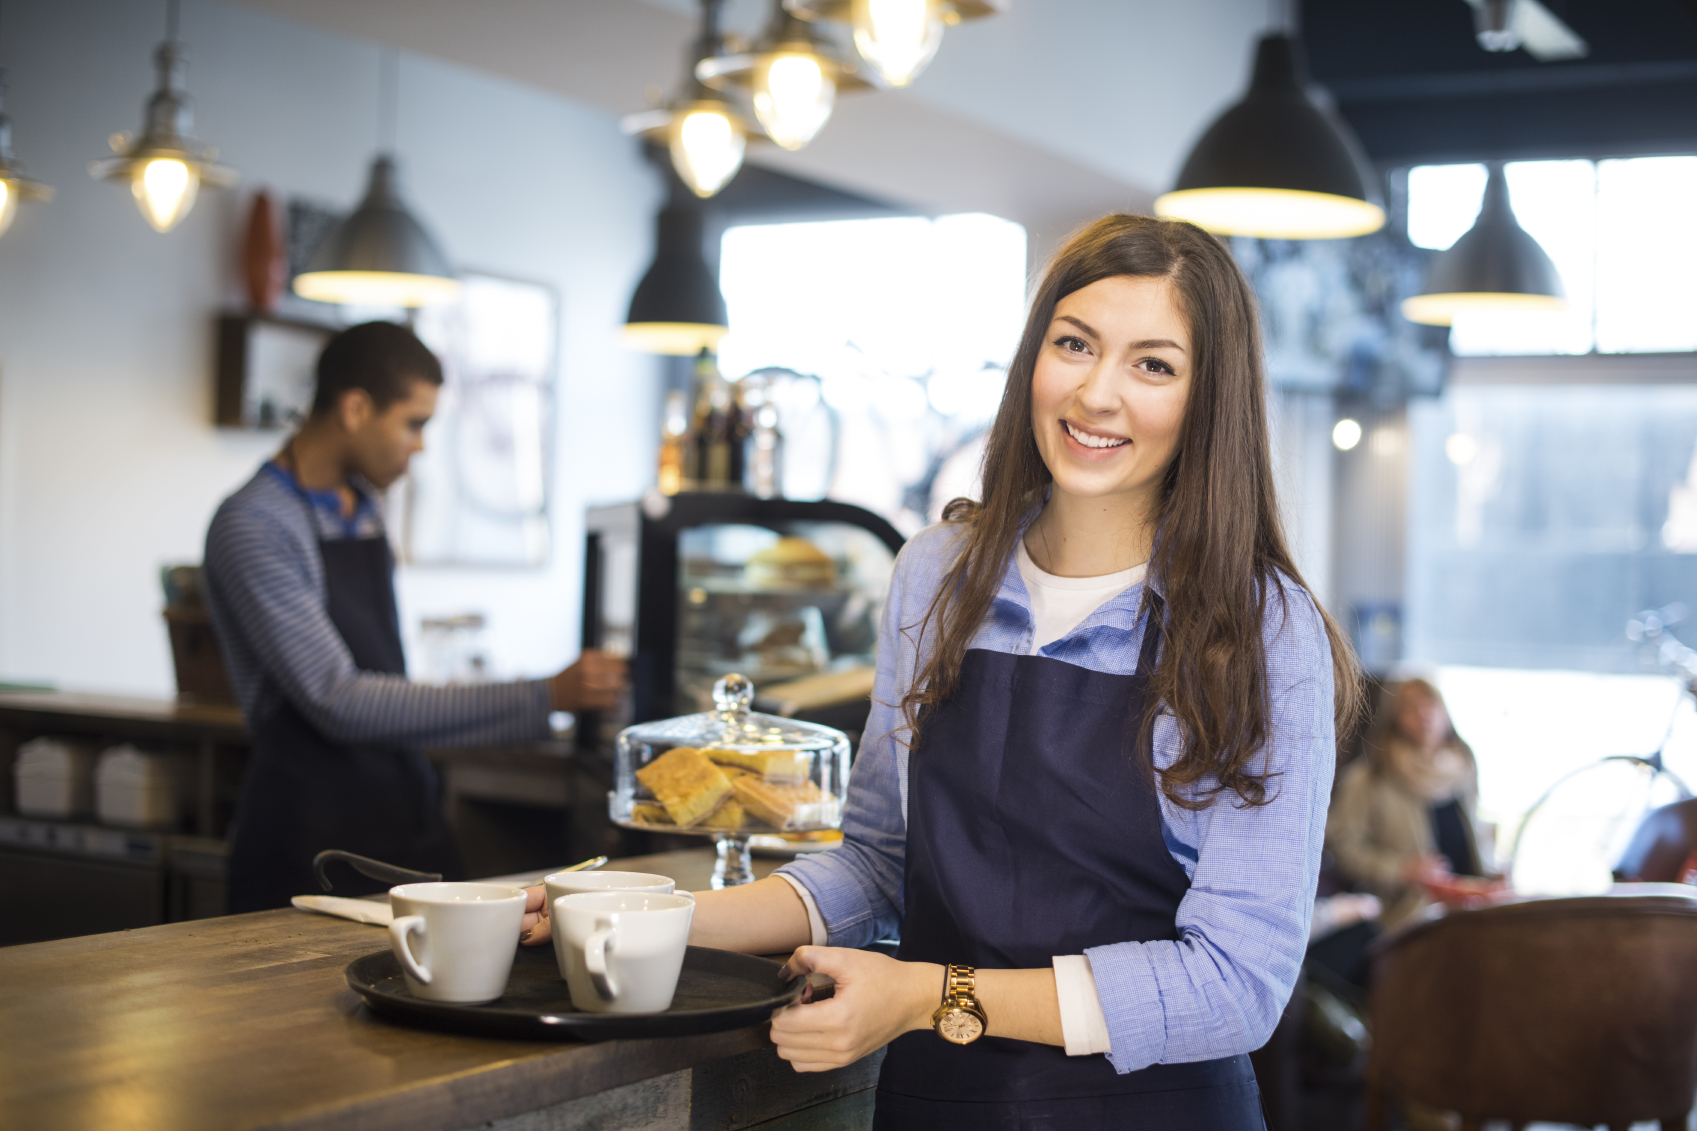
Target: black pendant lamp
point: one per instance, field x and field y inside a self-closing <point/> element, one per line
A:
<point x="1496" y="266"/>
<point x="380" y="255"/>
<point x="677" y="308"/>
<point x="1276" y="165"/>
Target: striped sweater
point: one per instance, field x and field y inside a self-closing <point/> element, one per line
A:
<point x="264" y="584"/>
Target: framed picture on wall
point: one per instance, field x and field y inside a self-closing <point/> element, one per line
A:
<point x="266" y="371"/>
<point x="478" y="493"/>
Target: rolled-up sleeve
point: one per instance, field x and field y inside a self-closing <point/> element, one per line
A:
<point x="1219" y="988"/>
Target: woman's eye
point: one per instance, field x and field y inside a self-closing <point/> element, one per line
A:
<point x="1071" y="344"/>
<point x="1156" y="365"/>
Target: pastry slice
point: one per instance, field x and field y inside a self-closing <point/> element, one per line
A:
<point x="781" y="806"/>
<point x="648" y="813"/>
<point x="686" y="783"/>
<point x="773" y="765"/>
<point x="728" y="817"/>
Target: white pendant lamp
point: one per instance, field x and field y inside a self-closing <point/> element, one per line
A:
<point x="380" y="255"/>
<point x="897" y="38"/>
<point x="1275" y="165"/>
<point x="793" y="75"/>
<point x="14" y="186"/>
<point x="167" y="164"/>
<point x="1497" y="266"/>
<point x="705" y="131"/>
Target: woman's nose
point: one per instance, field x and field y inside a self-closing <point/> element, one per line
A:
<point x="1098" y="394"/>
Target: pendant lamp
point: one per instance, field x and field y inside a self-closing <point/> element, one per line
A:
<point x="794" y="76"/>
<point x="166" y="166"/>
<point x="14" y="186"/>
<point x="1276" y="165"/>
<point x="380" y="255"/>
<point x="705" y="132"/>
<point x="897" y="38"/>
<point x="1496" y="266"/>
<point x="677" y="308"/>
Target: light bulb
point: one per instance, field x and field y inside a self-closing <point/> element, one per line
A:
<point x="898" y="37"/>
<point x="8" y="205"/>
<point x="164" y="189"/>
<point x="706" y="148"/>
<point x="1346" y="434"/>
<point x="793" y="97"/>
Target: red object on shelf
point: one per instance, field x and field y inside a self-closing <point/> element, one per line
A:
<point x="265" y="262"/>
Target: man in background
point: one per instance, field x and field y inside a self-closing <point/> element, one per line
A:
<point x="300" y="580"/>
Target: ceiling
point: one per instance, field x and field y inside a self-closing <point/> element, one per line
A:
<point x="1409" y="77"/>
<point x="1049" y="114"/>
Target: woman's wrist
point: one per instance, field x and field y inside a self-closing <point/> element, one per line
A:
<point x="924" y="992"/>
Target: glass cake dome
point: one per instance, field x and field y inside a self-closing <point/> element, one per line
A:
<point x="730" y="773"/>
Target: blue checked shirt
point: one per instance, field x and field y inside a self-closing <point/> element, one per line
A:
<point x="1219" y="988"/>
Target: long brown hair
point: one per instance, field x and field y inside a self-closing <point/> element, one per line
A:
<point x="1220" y="551"/>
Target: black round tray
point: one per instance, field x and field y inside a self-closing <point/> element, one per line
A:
<point x="717" y="990"/>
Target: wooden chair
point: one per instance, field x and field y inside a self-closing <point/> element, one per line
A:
<point x="1661" y="846"/>
<point x="1580" y="1011"/>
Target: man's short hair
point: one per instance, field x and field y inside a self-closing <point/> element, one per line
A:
<point x="380" y="357"/>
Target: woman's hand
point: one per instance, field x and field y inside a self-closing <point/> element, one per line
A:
<point x="877" y="999"/>
<point x="535" y="929"/>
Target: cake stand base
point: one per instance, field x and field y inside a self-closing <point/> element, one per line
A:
<point x="734" y="867"/>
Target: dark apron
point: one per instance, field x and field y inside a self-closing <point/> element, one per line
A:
<point x="303" y="793"/>
<point x="1033" y="831"/>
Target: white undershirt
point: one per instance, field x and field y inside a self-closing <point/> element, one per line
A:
<point x="1058" y="605"/>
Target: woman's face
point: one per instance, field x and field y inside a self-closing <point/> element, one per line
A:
<point x="1109" y="389"/>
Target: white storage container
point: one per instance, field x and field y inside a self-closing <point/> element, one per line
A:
<point x="54" y="777"/>
<point x="135" y="789"/>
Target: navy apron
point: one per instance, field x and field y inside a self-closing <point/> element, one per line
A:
<point x="1034" y="831"/>
<point x="303" y="793"/>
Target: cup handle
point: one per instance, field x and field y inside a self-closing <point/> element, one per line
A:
<point x="400" y="932"/>
<point x="595" y="961"/>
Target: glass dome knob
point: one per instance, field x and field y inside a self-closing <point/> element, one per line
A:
<point x="734" y="694"/>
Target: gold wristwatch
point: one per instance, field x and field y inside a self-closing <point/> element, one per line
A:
<point x="960" y="1020"/>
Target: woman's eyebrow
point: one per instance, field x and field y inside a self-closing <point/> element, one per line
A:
<point x="1157" y="343"/>
<point x="1082" y="325"/>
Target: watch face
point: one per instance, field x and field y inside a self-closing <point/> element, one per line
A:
<point x="960" y="1027"/>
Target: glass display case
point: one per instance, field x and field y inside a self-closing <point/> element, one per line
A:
<point x="730" y="773"/>
<point x="696" y="586"/>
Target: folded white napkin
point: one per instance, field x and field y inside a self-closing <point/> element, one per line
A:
<point x="359" y="910"/>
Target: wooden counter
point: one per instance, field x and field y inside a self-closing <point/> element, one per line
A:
<point x="246" y="1022"/>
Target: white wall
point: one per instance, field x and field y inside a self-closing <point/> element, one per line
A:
<point x="109" y="466"/>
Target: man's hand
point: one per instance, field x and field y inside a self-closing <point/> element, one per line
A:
<point x="594" y="683"/>
<point x="877" y="999"/>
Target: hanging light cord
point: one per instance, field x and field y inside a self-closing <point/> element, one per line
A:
<point x="173" y="13"/>
<point x="388" y="98"/>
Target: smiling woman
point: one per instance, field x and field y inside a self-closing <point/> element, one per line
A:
<point x="1087" y="685"/>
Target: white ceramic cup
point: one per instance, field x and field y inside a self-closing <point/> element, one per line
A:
<point x="621" y="951"/>
<point x="570" y="883"/>
<point x="456" y="942"/>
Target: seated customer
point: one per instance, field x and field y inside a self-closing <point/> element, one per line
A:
<point x="1402" y="818"/>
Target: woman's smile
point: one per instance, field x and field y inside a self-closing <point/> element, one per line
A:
<point x="1095" y="444"/>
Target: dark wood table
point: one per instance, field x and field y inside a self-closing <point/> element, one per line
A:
<point x="246" y="1022"/>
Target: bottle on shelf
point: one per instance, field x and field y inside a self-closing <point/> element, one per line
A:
<point x="763" y="472"/>
<point x="714" y="461"/>
<point x="674" y="440"/>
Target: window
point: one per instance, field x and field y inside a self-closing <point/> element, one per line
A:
<point x="1623" y="234"/>
<point x="908" y="324"/>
